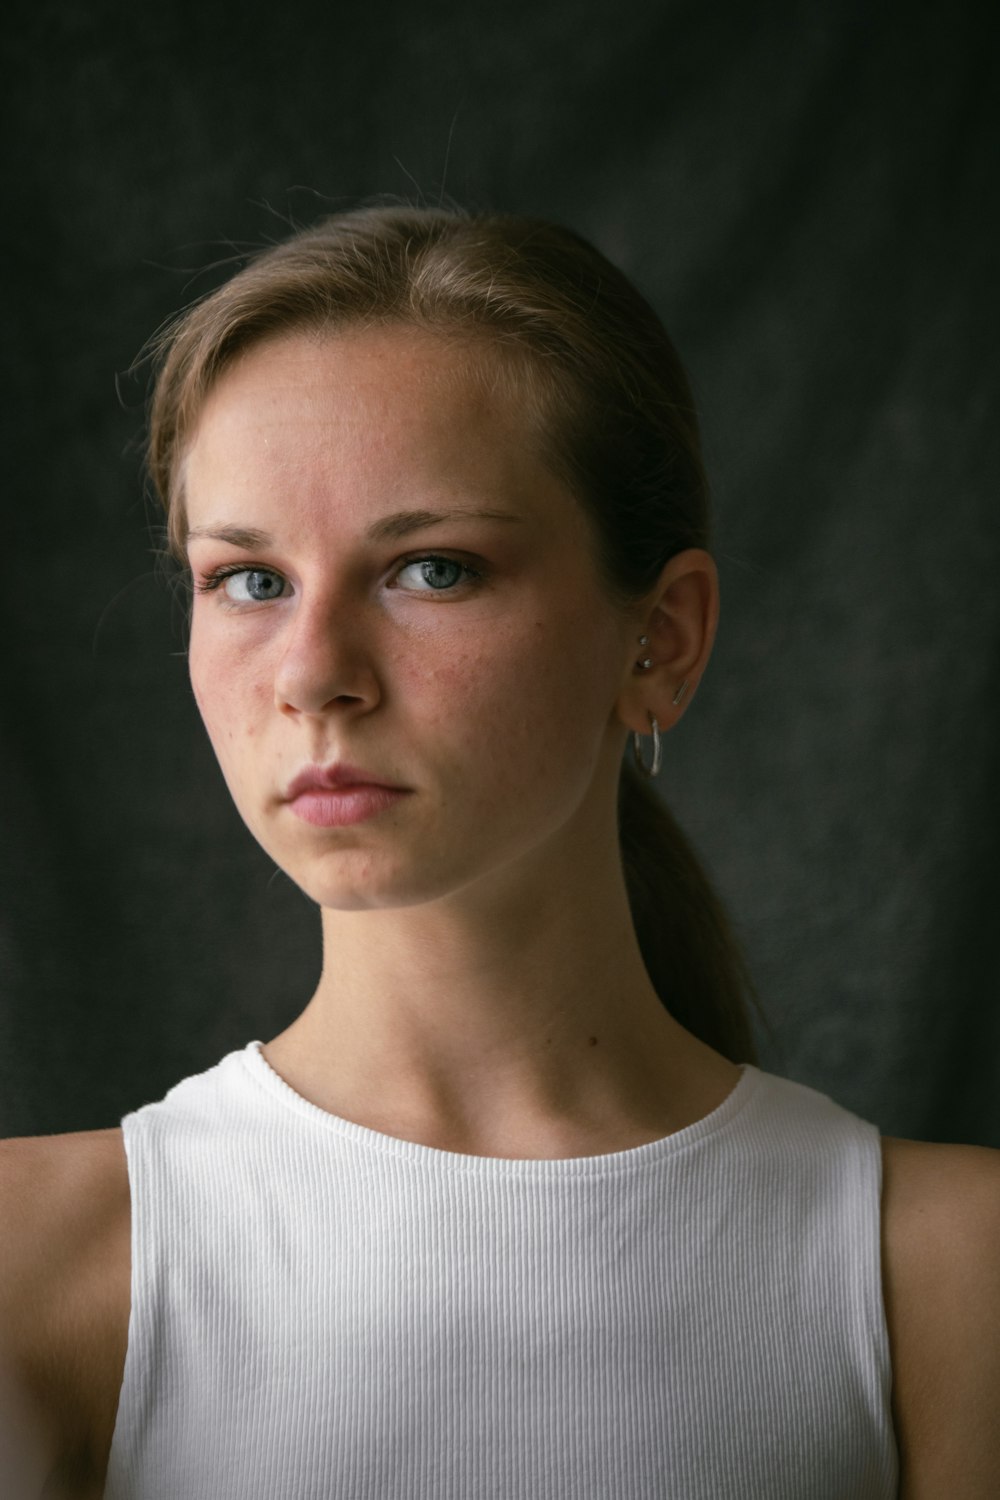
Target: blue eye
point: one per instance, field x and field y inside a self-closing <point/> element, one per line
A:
<point x="215" y="579"/>
<point x="431" y="564"/>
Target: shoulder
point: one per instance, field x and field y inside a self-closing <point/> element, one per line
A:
<point x="941" y="1278"/>
<point x="30" y="1161"/>
<point x="65" y="1271"/>
<point x="60" y="1196"/>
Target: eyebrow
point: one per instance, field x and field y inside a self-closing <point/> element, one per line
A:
<point x="388" y="528"/>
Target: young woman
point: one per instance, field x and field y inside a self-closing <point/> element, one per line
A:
<point x="510" y="1209"/>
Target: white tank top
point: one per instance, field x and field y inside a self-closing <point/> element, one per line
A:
<point x="323" y="1312"/>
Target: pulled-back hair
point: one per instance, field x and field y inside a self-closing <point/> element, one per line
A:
<point x="616" y="421"/>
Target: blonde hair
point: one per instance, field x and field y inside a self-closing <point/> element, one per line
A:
<point x="612" y="410"/>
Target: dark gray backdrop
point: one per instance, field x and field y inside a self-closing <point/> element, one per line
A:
<point x="807" y="192"/>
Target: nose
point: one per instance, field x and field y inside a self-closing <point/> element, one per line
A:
<point x="325" y="660"/>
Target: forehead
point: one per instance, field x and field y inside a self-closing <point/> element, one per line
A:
<point x="339" y="380"/>
<point x="364" y="413"/>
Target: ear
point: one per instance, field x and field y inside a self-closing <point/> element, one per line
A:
<point x="680" y="616"/>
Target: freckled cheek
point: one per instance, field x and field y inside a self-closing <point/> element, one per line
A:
<point x="225" y="701"/>
<point x="500" y="709"/>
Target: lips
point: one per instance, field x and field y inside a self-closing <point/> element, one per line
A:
<point x="334" y="777"/>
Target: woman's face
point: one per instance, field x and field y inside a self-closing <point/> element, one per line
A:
<point x="490" y="697"/>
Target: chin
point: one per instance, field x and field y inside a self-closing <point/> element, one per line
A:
<point x="358" y="879"/>
<point x="374" y="897"/>
<point x="366" y="882"/>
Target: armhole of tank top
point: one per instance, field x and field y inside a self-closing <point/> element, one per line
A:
<point x="874" y="1291"/>
<point x="132" y="1395"/>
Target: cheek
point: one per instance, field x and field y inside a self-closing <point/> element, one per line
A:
<point x="508" y="706"/>
<point x="222" y="696"/>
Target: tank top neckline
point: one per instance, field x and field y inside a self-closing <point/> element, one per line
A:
<point x="676" y="1143"/>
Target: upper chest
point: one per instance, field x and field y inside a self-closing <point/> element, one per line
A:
<point x="86" y="1322"/>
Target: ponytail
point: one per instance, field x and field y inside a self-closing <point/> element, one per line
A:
<point x="690" y="951"/>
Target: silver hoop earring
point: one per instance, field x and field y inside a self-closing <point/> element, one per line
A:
<point x="637" y="749"/>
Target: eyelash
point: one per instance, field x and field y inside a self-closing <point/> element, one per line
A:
<point x="217" y="576"/>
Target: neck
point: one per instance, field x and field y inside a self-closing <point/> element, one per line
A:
<point x="497" y="1024"/>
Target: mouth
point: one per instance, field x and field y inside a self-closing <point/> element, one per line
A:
<point x="337" y="777"/>
<point x="336" y="807"/>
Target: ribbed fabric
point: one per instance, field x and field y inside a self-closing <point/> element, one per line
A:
<point x="324" y="1312"/>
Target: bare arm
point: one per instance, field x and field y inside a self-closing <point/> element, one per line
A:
<point x="61" y="1211"/>
<point x="941" y="1268"/>
<point x="26" y="1444"/>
